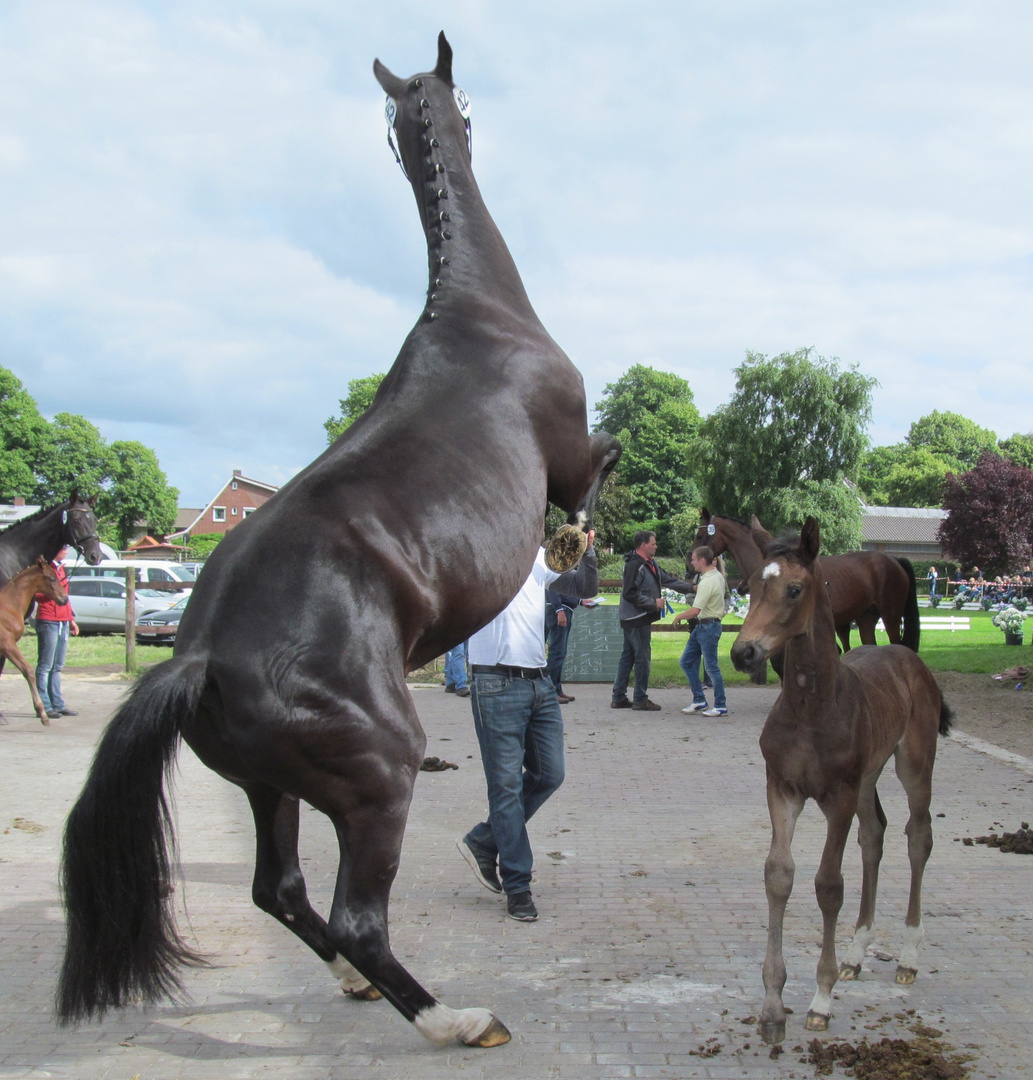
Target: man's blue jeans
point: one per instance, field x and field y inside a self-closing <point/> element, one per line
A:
<point x="556" y="643"/>
<point x="52" y="644"/>
<point x="455" y="666"/>
<point x="703" y="641"/>
<point x="520" y="730"/>
<point x="637" y="654"/>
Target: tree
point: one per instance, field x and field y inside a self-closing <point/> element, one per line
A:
<point x="903" y="475"/>
<point x="1018" y="449"/>
<point x="73" y="454"/>
<point x="22" y="433"/>
<point x="782" y="447"/>
<point x="952" y="438"/>
<point x="139" y="492"/>
<point x="361" y="393"/>
<point x="653" y="414"/>
<point x="990" y="515"/>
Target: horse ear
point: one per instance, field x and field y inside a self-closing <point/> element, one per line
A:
<point x="761" y="536"/>
<point x="392" y="85"/>
<point x="443" y="70"/>
<point x="704" y="515"/>
<point x="810" y="539"/>
<point x="41" y="562"/>
<point x="92" y="502"/>
<point x="74" y="497"/>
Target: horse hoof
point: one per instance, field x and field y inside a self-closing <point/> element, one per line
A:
<point x="849" y="972"/>
<point x="563" y="552"/>
<point x="495" y="1034"/>
<point x="906" y="975"/>
<point x="364" y="993"/>
<point x="773" y="1031"/>
<point x="816" y="1022"/>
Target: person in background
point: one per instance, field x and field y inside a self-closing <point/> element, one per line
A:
<point x="54" y="622"/>
<point x="708" y="608"/>
<point x="932" y="575"/>
<point x="455" y="671"/>
<point x="559" y="613"/>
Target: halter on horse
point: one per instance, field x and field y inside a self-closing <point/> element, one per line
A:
<point x="831" y="731"/>
<point x="46" y="532"/>
<point x="863" y="585"/>
<point x="15" y="599"/>
<point x="410" y="532"/>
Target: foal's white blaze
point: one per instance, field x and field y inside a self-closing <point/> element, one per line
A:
<point x="913" y="936"/>
<point x="863" y="937"/>
<point x="351" y="980"/>
<point x="441" y="1024"/>
<point x="771" y="570"/>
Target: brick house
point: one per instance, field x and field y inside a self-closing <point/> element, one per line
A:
<point x="239" y="497"/>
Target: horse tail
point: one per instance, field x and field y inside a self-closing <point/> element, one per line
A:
<point x="946" y="717"/>
<point x="912" y="622"/>
<point x="119" y="850"/>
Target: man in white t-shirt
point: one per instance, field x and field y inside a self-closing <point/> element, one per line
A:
<point x="519" y="728"/>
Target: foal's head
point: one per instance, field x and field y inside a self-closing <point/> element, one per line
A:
<point x="48" y="583"/>
<point x="783" y="592"/>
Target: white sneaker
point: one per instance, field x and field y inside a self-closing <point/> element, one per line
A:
<point x="716" y="712"/>
<point x="696" y="706"/>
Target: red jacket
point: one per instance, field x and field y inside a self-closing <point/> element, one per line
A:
<point x="51" y="611"/>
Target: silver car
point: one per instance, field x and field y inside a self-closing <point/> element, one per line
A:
<point x="99" y="603"/>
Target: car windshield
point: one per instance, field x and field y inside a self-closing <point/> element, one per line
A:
<point x="180" y="604"/>
<point x="182" y="573"/>
<point x="151" y="593"/>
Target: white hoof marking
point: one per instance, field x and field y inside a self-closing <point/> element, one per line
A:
<point x="350" y="979"/>
<point x="440" y="1024"/>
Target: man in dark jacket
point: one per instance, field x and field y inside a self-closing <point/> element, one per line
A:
<point x="641" y="605"/>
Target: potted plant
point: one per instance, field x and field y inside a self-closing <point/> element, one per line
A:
<point x="1010" y="621"/>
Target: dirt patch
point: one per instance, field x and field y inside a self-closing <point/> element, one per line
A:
<point x="990" y="710"/>
<point x="889" y="1059"/>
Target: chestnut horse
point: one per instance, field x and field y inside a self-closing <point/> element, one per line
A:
<point x="413" y="530"/>
<point x="863" y="585"/>
<point x="835" y="725"/>
<point x="15" y="600"/>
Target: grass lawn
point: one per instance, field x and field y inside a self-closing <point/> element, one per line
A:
<point x="93" y="649"/>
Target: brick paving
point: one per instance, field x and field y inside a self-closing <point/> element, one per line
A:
<point x="645" y="961"/>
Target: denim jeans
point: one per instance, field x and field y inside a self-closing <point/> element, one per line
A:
<point x="455" y="666"/>
<point x="556" y="643"/>
<point x="703" y="641"/>
<point x="52" y="644"/>
<point x="637" y="654"/>
<point x="520" y="731"/>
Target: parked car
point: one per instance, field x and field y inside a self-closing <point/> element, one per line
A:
<point x="159" y="627"/>
<point x="148" y="571"/>
<point x="100" y="603"/>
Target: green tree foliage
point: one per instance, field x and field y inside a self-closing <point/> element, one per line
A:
<point x="782" y="447"/>
<point x="139" y="492"/>
<point x="904" y="475"/>
<point x="1018" y="449"/>
<point x="954" y="439"/>
<point x="990" y="516"/>
<point x="22" y="434"/>
<point x="361" y="393"/>
<point x="72" y="455"/>
<point x="653" y="414"/>
<point x="203" y="544"/>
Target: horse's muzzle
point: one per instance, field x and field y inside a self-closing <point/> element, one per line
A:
<point x="746" y="655"/>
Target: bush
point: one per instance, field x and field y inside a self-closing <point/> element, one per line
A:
<point x="934" y="601"/>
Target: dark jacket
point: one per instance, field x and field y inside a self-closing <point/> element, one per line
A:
<point x="640" y="589"/>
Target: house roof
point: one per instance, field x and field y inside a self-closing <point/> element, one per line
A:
<point x="182" y="527"/>
<point x="901" y="524"/>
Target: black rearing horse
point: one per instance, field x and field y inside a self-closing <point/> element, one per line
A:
<point x="46" y="532"/>
<point x="409" y="533"/>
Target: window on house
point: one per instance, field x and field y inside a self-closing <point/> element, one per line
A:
<point x="234" y="485"/>
<point x="249" y="510"/>
<point x="218" y="513"/>
<point x="234" y="511"/>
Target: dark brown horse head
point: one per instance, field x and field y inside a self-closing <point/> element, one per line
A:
<point x="80" y="528"/>
<point x="783" y="593"/>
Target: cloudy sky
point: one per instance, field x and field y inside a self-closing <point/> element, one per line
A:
<point x="204" y="235"/>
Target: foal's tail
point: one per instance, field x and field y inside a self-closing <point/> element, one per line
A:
<point x="912" y="622"/>
<point x="116" y="875"/>
<point x="946" y="717"/>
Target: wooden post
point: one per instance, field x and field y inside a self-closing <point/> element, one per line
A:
<point x="130" y="620"/>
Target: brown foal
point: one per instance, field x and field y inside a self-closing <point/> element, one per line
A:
<point x="835" y="725"/>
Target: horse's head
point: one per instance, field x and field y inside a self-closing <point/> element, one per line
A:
<point x="48" y="583"/>
<point x="427" y="115"/>
<point x="80" y="528"/>
<point x="783" y="593"/>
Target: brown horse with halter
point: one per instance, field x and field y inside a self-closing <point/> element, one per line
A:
<point x="862" y="585"/>
<point x="410" y="532"/>
<point x="835" y="725"/>
<point x="15" y="600"/>
<point x="68" y="524"/>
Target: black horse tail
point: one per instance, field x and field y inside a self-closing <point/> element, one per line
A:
<point x="946" y="717"/>
<point x="119" y="854"/>
<point x="912" y="623"/>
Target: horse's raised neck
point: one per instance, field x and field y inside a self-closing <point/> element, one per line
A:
<point x="45" y="532"/>
<point x="466" y="252"/>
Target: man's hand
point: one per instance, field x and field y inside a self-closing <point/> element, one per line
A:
<point x="73" y="627"/>
<point x="591" y="537"/>
<point x="660" y="603"/>
<point x="561" y="618"/>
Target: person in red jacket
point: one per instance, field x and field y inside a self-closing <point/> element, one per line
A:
<point x="54" y="622"/>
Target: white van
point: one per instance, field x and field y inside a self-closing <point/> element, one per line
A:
<point x="148" y="571"/>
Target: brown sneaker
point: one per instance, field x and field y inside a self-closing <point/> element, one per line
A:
<point x="645" y="705"/>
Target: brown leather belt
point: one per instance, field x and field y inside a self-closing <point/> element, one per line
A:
<point x="509" y="672"/>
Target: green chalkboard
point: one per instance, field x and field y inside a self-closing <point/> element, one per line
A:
<point x="594" y="646"/>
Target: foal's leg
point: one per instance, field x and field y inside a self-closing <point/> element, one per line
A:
<point x="778" y="884"/>
<point x="22" y="665"/>
<point x="828" y="886"/>
<point x="279" y="886"/>
<point x="870" y="832"/>
<point x="915" y="771"/>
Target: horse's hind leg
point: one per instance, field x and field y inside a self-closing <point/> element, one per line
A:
<point x="279" y="886"/>
<point x="22" y="665"/>
<point x="915" y="771"/>
<point x="870" y="832"/>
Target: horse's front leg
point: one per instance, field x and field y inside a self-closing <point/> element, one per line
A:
<point x="605" y="453"/>
<point x="778" y="884"/>
<point x="828" y="887"/>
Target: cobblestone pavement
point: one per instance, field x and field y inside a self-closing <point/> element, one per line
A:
<point x="645" y="962"/>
